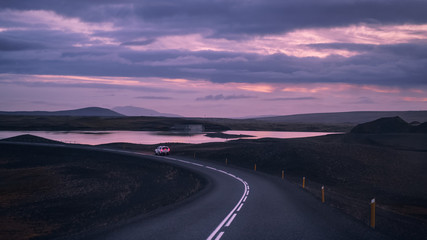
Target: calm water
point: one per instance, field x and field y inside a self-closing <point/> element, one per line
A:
<point x="149" y="137"/>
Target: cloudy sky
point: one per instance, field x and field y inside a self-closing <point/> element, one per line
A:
<point x="214" y="58"/>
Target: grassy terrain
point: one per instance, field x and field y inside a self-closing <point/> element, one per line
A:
<point x="48" y="192"/>
<point x="353" y="167"/>
<point x="67" y="123"/>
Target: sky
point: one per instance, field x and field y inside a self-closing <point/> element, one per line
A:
<point x="214" y="58"/>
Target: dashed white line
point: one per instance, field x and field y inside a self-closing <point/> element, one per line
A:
<point x="200" y="165"/>
<point x="228" y="216"/>
<point x="232" y="214"/>
<point x="241" y="205"/>
<point x="219" y="236"/>
<point x="230" y="220"/>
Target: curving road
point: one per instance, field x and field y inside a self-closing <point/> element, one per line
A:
<point x="241" y="204"/>
<point x="237" y="204"/>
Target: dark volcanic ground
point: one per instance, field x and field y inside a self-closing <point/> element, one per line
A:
<point x="48" y="192"/>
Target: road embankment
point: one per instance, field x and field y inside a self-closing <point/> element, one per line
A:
<point x="52" y="191"/>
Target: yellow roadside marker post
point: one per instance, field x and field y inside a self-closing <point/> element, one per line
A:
<point x="255" y="167"/>
<point x="303" y="182"/>
<point x="323" y="194"/>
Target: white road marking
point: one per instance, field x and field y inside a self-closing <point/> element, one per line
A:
<point x="231" y="220"/>
<point x="200" y="165"/>
<point x="232" y="213"/>
<point x="241" y="205"/>
<point x="219" y="236"/>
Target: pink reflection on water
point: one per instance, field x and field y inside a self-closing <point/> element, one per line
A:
<point x="149" y="137"/>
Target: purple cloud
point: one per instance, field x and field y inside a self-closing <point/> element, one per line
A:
<point x="154" y="97"/>
<point x="291" y="99"/>
<point x="222" y="97"/>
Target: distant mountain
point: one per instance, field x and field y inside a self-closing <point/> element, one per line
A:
<point x="137" y="111"/>
<point x="256" y="116"/>
<point x="347" y="117"/>
<point x="84" y="112"/>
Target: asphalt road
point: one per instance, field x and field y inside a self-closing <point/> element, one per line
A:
<point x="241" y="204"/>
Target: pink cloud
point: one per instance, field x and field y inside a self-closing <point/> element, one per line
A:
<point x="264" y="88"/>
<point x="305" y="89"/>
<point x="380" y="89"/>
<point x="415" y="99"/>
<point x="295" y="43"/>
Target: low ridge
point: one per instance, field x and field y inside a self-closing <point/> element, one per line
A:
<point x="389" y="125"/>
<point x="28" y="138"/>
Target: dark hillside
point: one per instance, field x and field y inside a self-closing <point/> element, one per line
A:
<point x="83" y="112"/>
<point x="383" y="125"/>
<point x="422" y="128"/>
<point x="28" y="138"/>
<point x="389" y="125"/>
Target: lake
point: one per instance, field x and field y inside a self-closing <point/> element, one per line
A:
<point x="150" y="137"/>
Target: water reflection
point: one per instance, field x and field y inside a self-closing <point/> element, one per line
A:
<point x="151" y="137"/>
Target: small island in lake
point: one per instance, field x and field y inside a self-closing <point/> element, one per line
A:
<point x="226" y="136"/>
